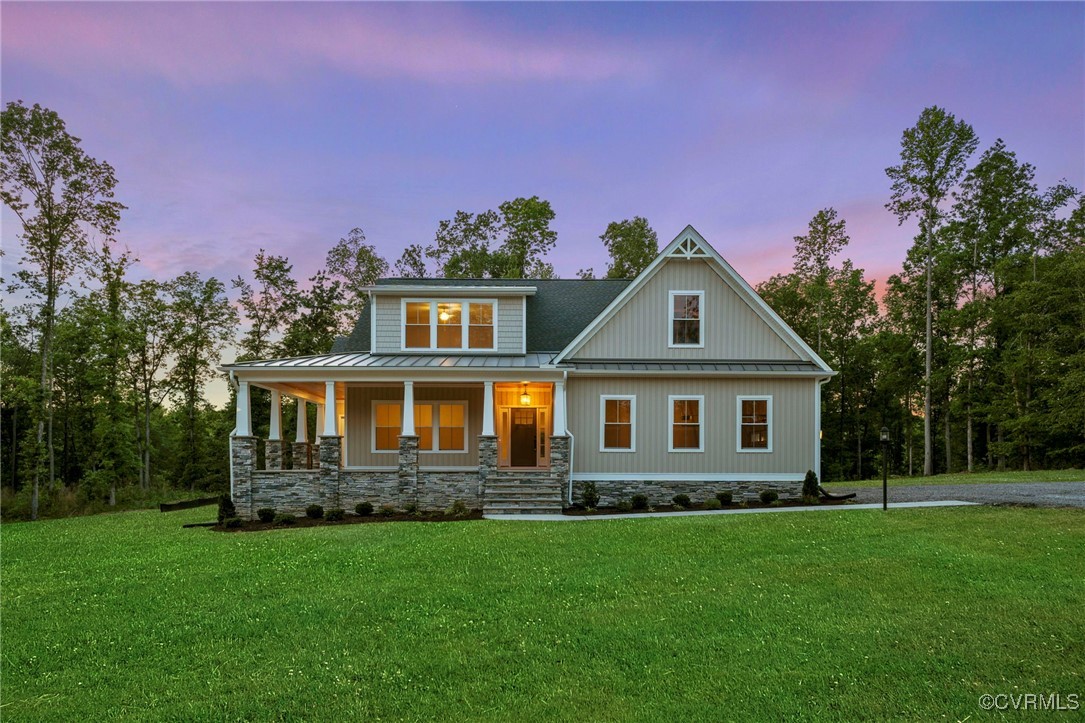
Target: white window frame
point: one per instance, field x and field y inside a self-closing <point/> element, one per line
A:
<point x="603" y="399"/>
<point x="670" y="319"/>
<point x="436" y="416"/>
<point x="738" y="423"/>
<point x="671" y="399"/>
<point x="465" y="326"/>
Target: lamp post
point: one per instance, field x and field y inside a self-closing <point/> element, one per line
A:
<point x="885" y="468"/>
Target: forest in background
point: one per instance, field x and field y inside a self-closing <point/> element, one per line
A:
<point x="974" y="358"/>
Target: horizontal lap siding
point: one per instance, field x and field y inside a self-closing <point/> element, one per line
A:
<point x="359" y="441"/>
<point x="508" y="318"/>
<point x="793" y="426"/>
<point x="731" y="329"/>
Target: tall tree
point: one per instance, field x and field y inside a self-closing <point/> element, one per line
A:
<point x="314" y="329"/>
<point x="151" y="331"/>
<point x="934" y="154"/>
<point x="356" y="264"/>
<point x="525" y="223"/>
<point x="632" y="245"/>
<point x="825" y="237"/>
<point x="59" y="193"/>
<point x="412" y="263"/>
<point x="269" y="305"/>
<point x="461" y="247"/>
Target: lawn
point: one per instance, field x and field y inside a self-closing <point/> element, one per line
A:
<point x="836" y="615"/>
<point x="964" y="478"/>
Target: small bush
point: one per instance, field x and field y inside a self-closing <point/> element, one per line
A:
<point x="624" y="506"/>
<point x="266" y="514"/>
<point x="712" y="504"/>
<point x="769" y="496"/>
<point x="386" y="511"/>
<point x="364" y="509"/>
<point x="232" y="523"/>
<point x="411" y="508"/>
<point x="811" y="500"/>
<point x="314" y="512"/>
<point x="682" y="500"/>
<point x="226" y="508"/>
<point x="284" y="519"/>
<point x="776" y="503"/>
<point x="810" y="484"/>
<point x="457" y="509"/>
<point x="334" y="515"/>
<point x="639" y="502"/>
<point x="590" y="495"/>
<point x="725" y="498"/>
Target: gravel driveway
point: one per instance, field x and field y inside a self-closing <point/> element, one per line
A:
<point x="1043" y="494"/>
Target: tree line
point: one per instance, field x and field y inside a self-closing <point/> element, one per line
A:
<point x="981" y="336"/>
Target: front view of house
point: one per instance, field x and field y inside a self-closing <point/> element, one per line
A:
<point x="510" y="394"/>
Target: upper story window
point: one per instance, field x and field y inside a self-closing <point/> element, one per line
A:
<point x="452" y="325"/>
<point x="685" y="311"/>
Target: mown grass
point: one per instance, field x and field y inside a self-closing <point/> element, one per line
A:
<point x="965" y="478"/>
<point x="837" y="615"/>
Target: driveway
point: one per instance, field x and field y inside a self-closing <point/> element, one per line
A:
<point x="1042" y="494"/>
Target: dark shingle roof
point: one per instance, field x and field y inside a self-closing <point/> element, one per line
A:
<point x="559" y="310"/>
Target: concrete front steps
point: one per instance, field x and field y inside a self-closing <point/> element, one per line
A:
<point x="507" y="496"/>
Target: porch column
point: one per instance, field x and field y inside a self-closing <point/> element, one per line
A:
<point x="301" y="437"/>
<point x="488" y="409"/>
<point x="241" y="423"/>
<point x="273" y="448"/>
<point x="242" y="455"/>
<point x="559" y="409"/>
<point x="408" y="410"/>
<point x="319" y="422"/>
<point x="331" y="445"/>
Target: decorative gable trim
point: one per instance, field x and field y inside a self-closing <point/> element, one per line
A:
<point x="690" y="245"/>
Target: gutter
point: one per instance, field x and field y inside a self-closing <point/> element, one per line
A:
<point x="569" y="434"/>
<point x="233" y="383"/>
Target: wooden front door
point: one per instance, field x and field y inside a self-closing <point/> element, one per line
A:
<point x="523" y="450"/>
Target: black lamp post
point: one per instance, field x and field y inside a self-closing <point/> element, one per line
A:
<point x="885" y="468"/>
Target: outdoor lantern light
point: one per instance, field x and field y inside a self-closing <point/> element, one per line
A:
<point x="525" y="398"/>
<point x="885" y="468"/>
<point x="885" y="434"/>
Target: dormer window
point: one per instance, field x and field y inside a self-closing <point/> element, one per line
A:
<point x="452" y="325"/>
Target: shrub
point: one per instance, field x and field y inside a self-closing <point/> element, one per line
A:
<point x="590" y="495"/>
<point x="266" y="514"/>
<point x="682" y="500"/>
<point x="457" y="509"/>
<point x="725" y="498"/>
<point x="314" y="512"/>
<point x="386" y="511"/>
<point x="776" y="503"/>
<point x="364" y="509"/>
<point x="284" y="519"/>
<point x="624" y="506"/>
<point x="232" y="523"/>
<point x="639" y="502"/>
<point x="411" y="508"/>
<point x="811" y="500"/>
<point x="769" y="496"/>
<point x="712" y="504"/>
<point x="810" y="484"/>
<point x="226" y="508"/>
<point x="334" y="515"/>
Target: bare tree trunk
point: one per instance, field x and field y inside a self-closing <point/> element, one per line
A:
<point x="949" y="456"/>
<point x="928" y="461"/>
<point x="1001" y="453"/>
<point x="969" y="432"/>
<point x="911" y="433"/>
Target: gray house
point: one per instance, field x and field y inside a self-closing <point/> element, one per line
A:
<point x="510" y="394"/>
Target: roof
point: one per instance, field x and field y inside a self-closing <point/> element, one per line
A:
<point x="360" y="360"/>
<point x="558" y="311"/>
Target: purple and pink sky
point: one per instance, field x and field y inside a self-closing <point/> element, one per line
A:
<point x="239" y="126"/>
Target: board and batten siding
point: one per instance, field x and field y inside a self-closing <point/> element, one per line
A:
<point x="730" y="328"/>
<point x="388" y="322"/>
<point x="359" y="424"/>
<point x="792" y="426"/>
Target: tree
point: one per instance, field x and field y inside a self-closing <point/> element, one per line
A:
<point x="58" y="192"/>
<point x="933" y="156"/>
<point x="269" y="306"/>
<point x="825" y="237"/>
<point x="461" y="247"/>
<point x="528" y="236"/>
<point x="632" y="245"/>
<point x="356" y="265"/>
<point x="151" y="330"/>
<point x="314" y="329"/>
<point x="412" y="264"/>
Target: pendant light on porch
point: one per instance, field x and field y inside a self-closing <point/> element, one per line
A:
<point x="525" y="398"/>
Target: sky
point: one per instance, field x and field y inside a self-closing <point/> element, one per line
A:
<point x="239" y="126"/>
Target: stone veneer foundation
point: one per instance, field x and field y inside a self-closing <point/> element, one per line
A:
<point x="660" y="492"/>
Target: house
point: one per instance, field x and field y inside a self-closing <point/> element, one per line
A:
<point x="511" y="394"/>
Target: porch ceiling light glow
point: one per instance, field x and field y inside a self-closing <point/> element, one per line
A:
<point x="444" y="316"/>
<point x="525" y="398"/>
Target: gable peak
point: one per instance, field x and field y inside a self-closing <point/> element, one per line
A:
<point x="689" y="245"/>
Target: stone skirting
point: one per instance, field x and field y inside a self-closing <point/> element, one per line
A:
<point x="660" y="492"/>
<point x="289" y="491"/>
<point x="301" y="455"/>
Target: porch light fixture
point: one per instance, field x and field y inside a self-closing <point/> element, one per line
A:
<point x="444" y="316"/>
<point x="525" y="398"/>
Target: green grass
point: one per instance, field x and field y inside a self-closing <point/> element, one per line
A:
<point x="964" y="478"/>
<point x="835" y="615"/>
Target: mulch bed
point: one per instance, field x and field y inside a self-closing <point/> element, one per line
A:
<point x="350" y="519"/>
<point x="758" y="505"/>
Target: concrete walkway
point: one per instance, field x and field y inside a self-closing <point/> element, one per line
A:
<point x="759" y="510"/>
<point x="1041" y="494"/>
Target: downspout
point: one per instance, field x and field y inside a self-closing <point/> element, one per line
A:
<point x="817" y="427"/>
<point x="572" y="439"/>
<point x="234" y="384"/>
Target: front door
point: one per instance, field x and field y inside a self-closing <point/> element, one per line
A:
<point x="523" y="452"/>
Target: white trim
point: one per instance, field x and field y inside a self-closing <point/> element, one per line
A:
<point x="465" y="326"/>
<point x="242" y="411"/>
<point x="670" y="319"/>
<point x="471" y="291"/>
<point x="440" y="468"/>
<point x="817" y="427"/>
<point x="362" y="468"/>
<point x="738" y="423"/>
<point x="691" y="372"/>
<point x="435" y="426"/>
<point x="632" y="398"/>
<point x="671" y="399"/>
<point x="690" y="477"/>
<point x="523" y="325"/>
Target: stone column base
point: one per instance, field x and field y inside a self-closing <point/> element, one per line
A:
<point x="408" y="468"/>
<point x="302" y="455"/>
<point x="273" y="454"/>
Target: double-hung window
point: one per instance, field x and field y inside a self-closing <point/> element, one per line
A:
<point x="755" y="424"/>
<point x="685" y="317"/>
<point x="617" y="423"/>
<point x="452" y="325"/>
<point x="440" y="426"/>
<point x="687" y="424"/>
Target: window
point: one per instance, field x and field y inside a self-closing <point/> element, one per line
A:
<point x="687" y="430"/>
<point x="618" y="420"/>
<point x="440" y="426"/>
<point x="686" y="318"/>
<point x="455" y="325"/>
<point x="755" y="424"/>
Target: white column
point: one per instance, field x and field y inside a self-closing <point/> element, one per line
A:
<point x="319" y="420"/>
<point x="488" y="409"/>
<point x="303" y="423"/>
<point x="408" y="410"/>
<point x="275" y="428"/>
<point x="330" y="426"/>
<point x="559" y="409"/>
<point x="241" y="424"/>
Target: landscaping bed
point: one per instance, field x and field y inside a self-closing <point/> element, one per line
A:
<point x="348" y="519"/>
<point x="580" y="511"/>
